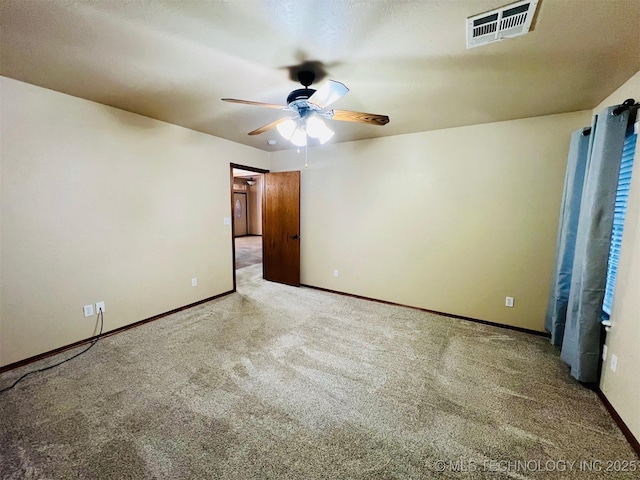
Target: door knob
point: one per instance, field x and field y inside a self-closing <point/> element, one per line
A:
<point x="294" y="237"/>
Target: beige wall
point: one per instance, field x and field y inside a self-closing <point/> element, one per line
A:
<point x="482" y="203"/>
<point x="103" y="205"/>
<point x="622" y="388"/>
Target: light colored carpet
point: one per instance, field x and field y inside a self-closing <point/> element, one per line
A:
<point x="275" y="382"/>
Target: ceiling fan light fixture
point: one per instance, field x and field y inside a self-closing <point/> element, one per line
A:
<point x="315" y="126"/>
<point x="287" y="128"/>
<point x="325" y="135"/>
<point x="299" y="138"/>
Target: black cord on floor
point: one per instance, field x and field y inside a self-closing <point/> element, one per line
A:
<point x="94" y="341"/>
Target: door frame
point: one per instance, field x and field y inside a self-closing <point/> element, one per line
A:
<point x="232" y="204"/>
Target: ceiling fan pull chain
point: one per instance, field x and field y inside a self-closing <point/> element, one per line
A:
<point x="306" y="155"/>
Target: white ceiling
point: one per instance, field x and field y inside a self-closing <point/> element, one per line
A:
<point x="174" y="60"/>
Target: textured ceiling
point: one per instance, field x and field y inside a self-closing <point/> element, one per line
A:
<point x="174" y="60"/>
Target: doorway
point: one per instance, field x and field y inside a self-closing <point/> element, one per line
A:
<point x="266" y="205"/>
<point x="246" y="214"/>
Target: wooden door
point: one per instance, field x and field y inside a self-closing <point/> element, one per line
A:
<point x="239" y="214"/>
<point x="281" y="227"/>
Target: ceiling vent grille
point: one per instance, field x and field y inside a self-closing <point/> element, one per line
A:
<point x="510" y="21"/>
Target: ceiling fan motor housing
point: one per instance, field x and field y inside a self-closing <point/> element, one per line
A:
<point x="300" y="94"/>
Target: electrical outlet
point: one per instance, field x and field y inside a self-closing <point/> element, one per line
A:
<point x="336" y="273"/>
<point x="100" y="307"/>
<point x="88" y="310"/>
<point x="226" y="220"/>
<point x="614" y="363"/>
<point x="194" y="282"/>
<point x="604" y="353"/>
<point x="508" y="302"/>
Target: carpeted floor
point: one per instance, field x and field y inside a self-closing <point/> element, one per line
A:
<point x="248" y="251"/>
<point x="275" y="382"/>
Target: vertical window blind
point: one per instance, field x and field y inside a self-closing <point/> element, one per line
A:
<point x="622" y="195"/>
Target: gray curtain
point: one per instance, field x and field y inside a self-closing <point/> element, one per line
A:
<point x="567" y="231"/>
<point x="581" y="341"/>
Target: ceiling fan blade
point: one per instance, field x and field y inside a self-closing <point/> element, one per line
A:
<point x="258" y="104"/>
<point x="360" y="117"/>
<point x="328" y="93"/>
<point x="269" y="126"/>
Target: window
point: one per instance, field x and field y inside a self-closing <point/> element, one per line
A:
<point x="622" y="195"/>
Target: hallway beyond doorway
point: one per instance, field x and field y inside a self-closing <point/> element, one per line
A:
<point x="248" y="250"/>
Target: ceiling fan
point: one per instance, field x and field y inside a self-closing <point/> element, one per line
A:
<point x="310" y="108"/>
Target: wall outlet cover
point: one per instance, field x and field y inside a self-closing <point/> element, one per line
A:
<point x="509" y="302"/>
<point x="88" y="310"/>
<point x="100" y="306"/>
<point x="194" y="282"/>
